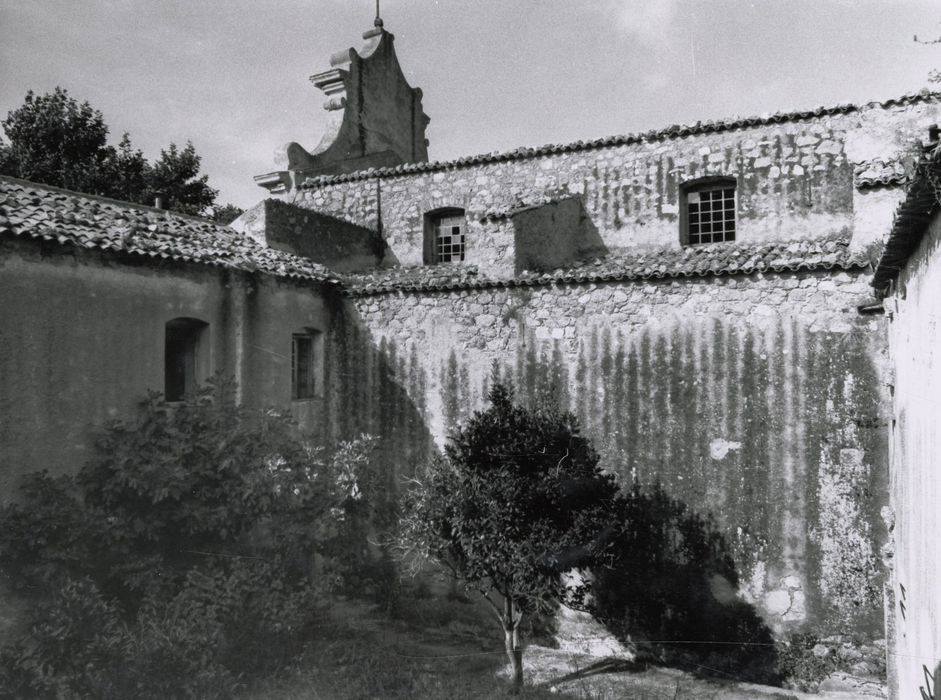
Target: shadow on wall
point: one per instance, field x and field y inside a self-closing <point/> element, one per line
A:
<point x="670" y="589"/>
<point x="378" y="388"/>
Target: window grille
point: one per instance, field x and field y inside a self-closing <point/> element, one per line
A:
<point x="710" y="213"/>
<point x="448" y="238"/>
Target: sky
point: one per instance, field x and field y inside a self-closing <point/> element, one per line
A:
<point x="232" y="76"/>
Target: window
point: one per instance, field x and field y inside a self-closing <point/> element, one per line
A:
<point x="306" y="364"/>
<point x="709" y="209"/>
<point x="181" y="357"/>
<point x="444" y="236"/>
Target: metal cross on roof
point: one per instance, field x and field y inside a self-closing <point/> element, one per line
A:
<point x="378" y="21"/>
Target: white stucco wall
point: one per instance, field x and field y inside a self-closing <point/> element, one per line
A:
<point x="915" y="351"/>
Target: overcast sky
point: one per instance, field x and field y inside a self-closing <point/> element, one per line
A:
<point x="232" y="75"/>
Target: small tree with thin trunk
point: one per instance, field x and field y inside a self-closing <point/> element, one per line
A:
<point x="517" y="500"/>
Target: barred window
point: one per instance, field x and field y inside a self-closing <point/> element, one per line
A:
<point x="710" y="213"/>
<point x="445" y="236"/>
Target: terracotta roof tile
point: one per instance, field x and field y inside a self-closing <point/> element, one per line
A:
<point x="912" y="219"/>
<point x="880" y="173"/>
<point x="693" y="261"/>
<point x="30" y="210"/>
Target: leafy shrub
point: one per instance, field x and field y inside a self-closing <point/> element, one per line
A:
<point x="518" y="501"/>
<point x="178" y="562"/>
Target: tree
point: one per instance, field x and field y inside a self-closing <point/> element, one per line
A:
<point x="517" y="500"/>
<point x="55" y="140"/>
<point x="176" y="176"/>
<point x="226" y="214"/>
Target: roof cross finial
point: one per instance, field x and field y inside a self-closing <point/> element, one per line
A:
<point x="378" y="21"/>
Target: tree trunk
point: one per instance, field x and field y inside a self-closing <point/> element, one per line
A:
<point x="514" y="651"/>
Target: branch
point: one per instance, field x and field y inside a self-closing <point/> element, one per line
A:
<point x="519" y="619"/>
<point x="493" y="605"/>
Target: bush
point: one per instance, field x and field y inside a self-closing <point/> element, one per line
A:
<point x="178" y="562"/>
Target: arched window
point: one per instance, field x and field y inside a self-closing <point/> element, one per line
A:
<point x="708" y="211"/>
<point x="444" y="236"/>
<point x="182" y="356"/>
<point x="306" y="364"/>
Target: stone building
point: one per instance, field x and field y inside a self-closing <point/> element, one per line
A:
<point x="698" y="295"/>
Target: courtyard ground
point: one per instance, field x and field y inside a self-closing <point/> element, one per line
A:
<point x="442" y="650"/>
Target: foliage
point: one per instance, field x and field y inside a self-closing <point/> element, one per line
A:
<point x="518" y="500"/>
<point x="176" y="176"/>
<point x="55" y="140"/>
<point x="669" y="585"/>
<point x="225" y="214"/>
<point x="181" y="554"/>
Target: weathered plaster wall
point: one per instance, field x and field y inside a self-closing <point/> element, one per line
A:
<point x="794" y="180"/>
<point x="915" y="350"/>
<point x="83" y="341"/>
<point x="551" y="235"/>
<point x="753" y="399"/>
<point x="338" y="244"/>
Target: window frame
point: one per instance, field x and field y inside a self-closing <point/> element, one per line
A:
<point x="432" y="221"/>
<point x="183" y="356"/>
<point x="698" y="186"/>
<point x="313" y="387"/>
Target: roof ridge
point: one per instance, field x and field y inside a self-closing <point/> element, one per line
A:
<point x="107" y="200"/>
<point x="672" y="131"/>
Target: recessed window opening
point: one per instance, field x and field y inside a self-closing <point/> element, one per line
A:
<point x="181" y="357"/>
<point x="306" y="363"/>
<point x="710" y="213"/>
<point x="445" y="231"/>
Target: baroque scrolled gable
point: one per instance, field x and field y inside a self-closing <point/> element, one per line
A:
<point x="375" y="118"/>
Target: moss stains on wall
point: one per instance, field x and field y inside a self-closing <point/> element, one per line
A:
<point x="759" y="427"/>
<point x="755" y="401"/>
<point x="377" y="386"/>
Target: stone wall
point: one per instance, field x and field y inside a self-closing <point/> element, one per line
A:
<point x="753" y="399"/>
<point x="795" y="179"/>
<point x="915" y="349"/>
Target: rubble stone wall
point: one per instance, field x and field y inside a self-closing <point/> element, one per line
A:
<point x="795" y="179"/>
<point x="755" y="400"/>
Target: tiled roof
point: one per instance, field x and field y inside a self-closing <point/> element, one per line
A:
<point x="832" y="253"/>
<point x="880" y="173"/>
<point x="670" y="132"/>
<point x="30" y="210"/>
<point x="911" y="219"/>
